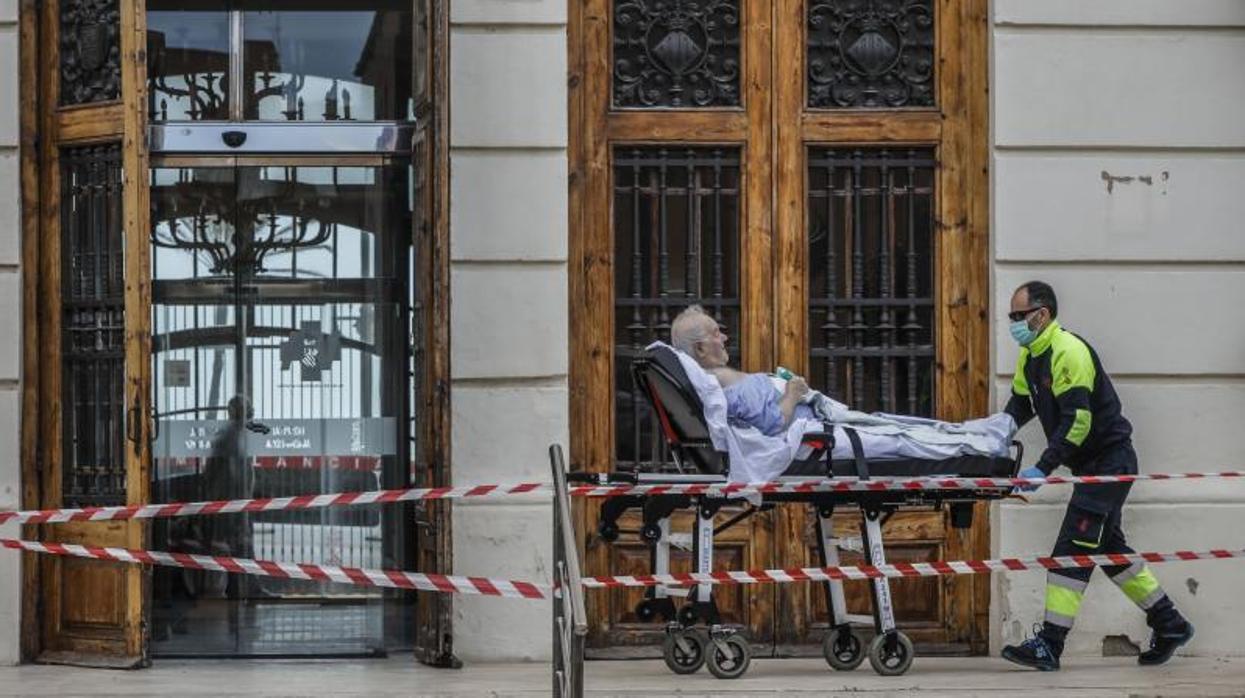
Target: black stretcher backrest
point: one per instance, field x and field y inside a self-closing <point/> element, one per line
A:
<point x="664" y="383"/>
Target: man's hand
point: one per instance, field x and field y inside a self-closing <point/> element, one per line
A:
<point x="1031" y="471"/>
<point x="796" y="389"/>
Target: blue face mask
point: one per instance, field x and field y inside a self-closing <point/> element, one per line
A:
<point x="1022" y="334"/>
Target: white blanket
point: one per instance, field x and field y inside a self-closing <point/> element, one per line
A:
<point x="755" y="457"/>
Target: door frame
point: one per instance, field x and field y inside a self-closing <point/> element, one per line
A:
<point x="773" y="292"/>
<point x="46" y="128"/>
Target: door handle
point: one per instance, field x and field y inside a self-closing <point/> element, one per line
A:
<point x="134" y="423"/>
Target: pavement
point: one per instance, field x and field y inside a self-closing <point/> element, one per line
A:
<point x="401" y="676"/>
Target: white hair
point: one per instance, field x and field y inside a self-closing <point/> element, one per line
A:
<point x="686" y="329"/>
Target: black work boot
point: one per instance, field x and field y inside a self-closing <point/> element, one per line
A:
<point x="1036" y="653"/>
<point x="1164" y="642"/>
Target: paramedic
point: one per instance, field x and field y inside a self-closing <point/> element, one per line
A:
<point x="1060" y="380"/>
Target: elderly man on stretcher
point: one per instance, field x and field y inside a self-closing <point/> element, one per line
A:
<point x="760" y="419"/>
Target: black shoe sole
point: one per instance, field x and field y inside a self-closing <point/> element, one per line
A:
<point x="1163" y="658"/>
<point x="1025" y="663"/>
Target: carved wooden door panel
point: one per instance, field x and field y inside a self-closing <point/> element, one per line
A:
<point x="94" y="426"/>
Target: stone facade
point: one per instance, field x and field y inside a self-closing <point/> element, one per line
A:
<point x="1117" y="132"/>
<point x="509" y="341"/>
<point x="10" y="312"/>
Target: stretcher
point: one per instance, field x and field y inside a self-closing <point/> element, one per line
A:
<point x="660" y="377"/>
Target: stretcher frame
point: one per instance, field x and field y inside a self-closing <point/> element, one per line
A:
<point x="662" y="381"/>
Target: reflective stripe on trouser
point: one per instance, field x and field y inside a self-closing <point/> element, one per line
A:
<point x="1140" y="585"/>
<point x="1063" y="599"/>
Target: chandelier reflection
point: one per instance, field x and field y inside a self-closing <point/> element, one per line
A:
<point x="224" y="251"/>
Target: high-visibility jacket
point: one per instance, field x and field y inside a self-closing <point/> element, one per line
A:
<point x="1060" y="380"/>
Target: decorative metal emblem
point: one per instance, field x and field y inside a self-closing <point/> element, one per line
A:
<point x="90" y="51"/>
<point x="314" y="351"/>
<point x="676" y="53"/>
<point x="871" y="53"/>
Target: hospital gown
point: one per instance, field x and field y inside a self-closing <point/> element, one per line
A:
<point x="753" y="401"/>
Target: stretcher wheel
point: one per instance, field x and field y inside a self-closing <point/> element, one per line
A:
<point x="891" y="662"/>
<point x="842" y="649"/>
<point x="688" y="615"/>
<point x="730" y="662"/>
<point x="684" y="651"/>
<point x="651" y="533"/>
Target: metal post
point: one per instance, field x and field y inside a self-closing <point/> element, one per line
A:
<point x="570" y="621"/>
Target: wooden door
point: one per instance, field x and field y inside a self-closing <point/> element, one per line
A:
<point x="671" y="183"/>
<point x="880" y="227"/>
<point x="731" y="153"/>
<point x="93" y="308"/>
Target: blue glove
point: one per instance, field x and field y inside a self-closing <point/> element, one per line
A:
<point x="1031" y="471"/>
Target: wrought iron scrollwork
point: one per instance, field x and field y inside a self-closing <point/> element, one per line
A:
<point x="676" y="53"/>
<point x="871" y="53"/>
<point x="676" y="243"/>
<point x="872" y="277"/>
<point x="92" y="326"/>
<point x="90" y="51"/>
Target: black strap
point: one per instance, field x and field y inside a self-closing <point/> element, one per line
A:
<point x="858" y="451"/>
<point x="828" y="428"/>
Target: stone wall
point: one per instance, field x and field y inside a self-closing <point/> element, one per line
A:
<point x="508" y="334"/>
<point x="10" y="342"/>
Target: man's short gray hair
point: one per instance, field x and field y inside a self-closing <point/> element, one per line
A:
<point x="685" y="331"/>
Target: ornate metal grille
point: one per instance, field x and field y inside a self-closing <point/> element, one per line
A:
<point x="871" y="53"/>
<point x="90" y="51"/>
<point x="871" y="308"/>
<point x="93" y="322"/>
<point x="676" y="242"/>
<point x="676" y="53"/>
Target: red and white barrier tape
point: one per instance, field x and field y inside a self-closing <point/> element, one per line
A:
<point x="289" y="570"/>
<point x="235" y="506"/>
<point x="485" y="586"/>
<point x="879" y="485"/>
<point x="726" y="489"/>
<point x="900" y="569"/>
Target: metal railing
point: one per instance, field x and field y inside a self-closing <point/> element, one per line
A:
<point x="570" y="621"/>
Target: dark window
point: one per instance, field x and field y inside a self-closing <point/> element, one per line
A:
<point x="676" y="53"/>
<point x="871" y="53"/>
<point x="90" y="51"/>
<point x="676" y="243"/>
<point x="187" y="62"/>
<point x="328" y="61"/>
<point x="871" y="304"/>
<point x="93" y="326"/>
